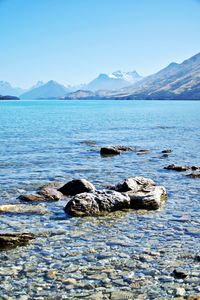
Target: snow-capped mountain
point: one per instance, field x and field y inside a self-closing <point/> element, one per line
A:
<point x="113" y="81"/>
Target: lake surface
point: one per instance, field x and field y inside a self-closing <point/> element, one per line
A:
<point x="132" y="253"/>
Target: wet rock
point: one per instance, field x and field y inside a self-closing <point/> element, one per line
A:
<point x="193" y="297"/>
<point x="50" y="194"/>
<point x="150" y="198"/>
<point x="134" y="184"/>
<point x="97" y="203"/>
<point x="181" y="168"/>
<point x="12" y="240"/>
<point x="194" y="175"/>
<point x="197" y="257"/>
<point x="76" y="186"/>
<point x="143" y="152"/>
<point x="32" y="198"/>
<point x="24" y="209"/>
<point x="114" y="150"/>
<point x="180" y="274"/>
<point x="164" y="156"/>
<point x="167" y="151"/>
<point x="177" y="168"/>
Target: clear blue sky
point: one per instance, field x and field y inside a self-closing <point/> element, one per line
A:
<point x="71" y="41"/>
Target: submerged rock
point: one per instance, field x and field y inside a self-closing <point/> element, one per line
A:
<point x="50" y="194"/>
<point x="12" y="240"/>
<point x="150" y="198"/>
<point x="76" y="186"/>
<point x="194" y="175"/>
<point x="114" y="150"/>
<point x="24" y="209"/>
<point x="134" y="184"/>
<point x="97" y="203"/>
<point x="143" y="152"/>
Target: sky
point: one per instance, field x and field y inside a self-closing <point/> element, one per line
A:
<point x="72" y="41"/>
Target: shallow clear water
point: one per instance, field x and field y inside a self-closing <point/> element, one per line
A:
<point x="43" y="141"/>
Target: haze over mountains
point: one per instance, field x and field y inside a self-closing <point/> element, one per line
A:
<point x="176" y="81"/>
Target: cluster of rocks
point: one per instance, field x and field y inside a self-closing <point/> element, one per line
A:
<point x="132" y="193"/>
<point x="117" y="150"/>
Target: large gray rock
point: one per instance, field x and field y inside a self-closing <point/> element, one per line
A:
<point x="149" y="198"/>
<point x="97" y="203"/>
<point x="24" y="209"/>
<point x="12" y="240"/>
<point x="134" y="184"/>
<point x="76" y="186"/>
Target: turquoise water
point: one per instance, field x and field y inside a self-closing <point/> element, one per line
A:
<point x="42" y="141"/>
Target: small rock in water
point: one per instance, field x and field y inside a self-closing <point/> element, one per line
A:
<point x="51" y="274"/>
<point x="143" y="152"/>
<point x="12" y="240"/>
<point x="50" y="194"/>
<point x="32" y="198"/>
<point x="181" y="168"/>
<point x="164" y="155"/>
<point x="180" y="274"/>
<point x="76" y="186"/>
<point x="194" y="175"/>
<point x="167" y="151"/>
<point x="114" y="150"/>
<point x="89" y="142"/>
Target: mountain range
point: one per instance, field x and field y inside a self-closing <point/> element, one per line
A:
<point x="176" y="81"/>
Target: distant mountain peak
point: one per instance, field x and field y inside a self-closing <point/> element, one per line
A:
<point x="51" y="89"/>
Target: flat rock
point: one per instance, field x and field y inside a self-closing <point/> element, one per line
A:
<point x="150" y="198"/>
<point x="24" y="209"/>
<point x="76" y="186"/>
<point x="194" y="174"/>
<point x="115" y="150"/>
<point x="12" y="240"/>
<point x="97" y="203"/>
<point x="134" y="184"/>
<point x="181" y="168"/>
<point x="177" y="168"/>
<point x="32" y="198"/>
<point x="50" y="194"/>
